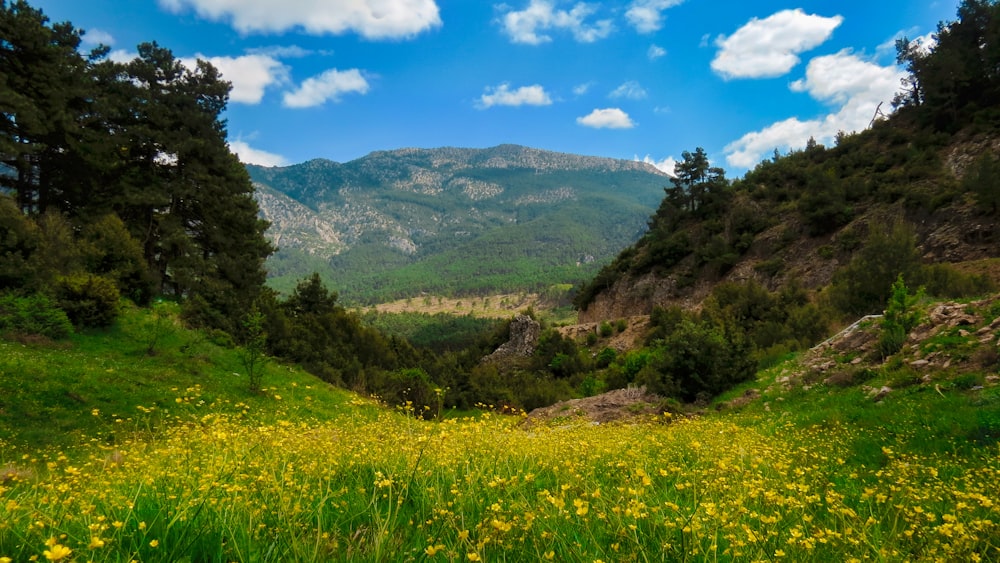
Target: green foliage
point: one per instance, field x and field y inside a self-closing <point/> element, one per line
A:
<point x="110" y="250"/>
<point x="606" y="357"/>
<point x="438" y="333"/>
<point x="253" y="352"/>
<point x="89" y="300"/>
<point x="697" y="361"/>
<point x="31" y="315"/>
<point x="863" y="286"/>
<point x="19" y="240"/>
<point x="125" y="172"/>
<point x="900" y="317"/>
<point x="824" y="205"/>
<point x="983" y="180"/>
<point x="944" y="280"/>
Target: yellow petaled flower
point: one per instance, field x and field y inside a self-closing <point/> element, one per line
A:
<point x="154" y="543"/>
<point x="5" y="559"/>
<point x="57" y="553"/>
<point x="473" y="556"/>
<point x="96" y="542"/>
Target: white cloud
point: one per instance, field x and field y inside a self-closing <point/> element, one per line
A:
<point x="285" y="51"/>
<point x="250" y="155"/>
<point x="854" y="87"/>
<point x="502" y="95"/>
<point x="530" y="24"/>
<point x="655" y="52"/>
<point x="646" y="16"/>
<point x="372" y="19"/>
<point x="608" y="118"/>
<point x="97" y="37"/>
<point x="630" y="90"/>
<point x="328" y="86"/>
<point x="122" y="55"/>
<point x="582" y="89"/>
<point x="665" y="165"/>
<point x="250" y="75"/>
<point x="770" y="47"/>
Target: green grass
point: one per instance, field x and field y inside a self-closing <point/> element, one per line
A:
<point x="182" y="463"/>
<point x="49" y="390"/>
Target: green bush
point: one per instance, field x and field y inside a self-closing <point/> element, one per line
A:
<point x="89" y="300"/>
<point x="863" y="286"/>
<point x="900" y="318"/>
<point x="34" y="314"/>
<point x="697" y="360"/>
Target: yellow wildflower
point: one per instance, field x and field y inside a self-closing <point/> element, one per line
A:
<point x="95" y="542"/>
<point x="154" y="543"/>
<point x="57" y="552"/>
<point x="473" y="556"/>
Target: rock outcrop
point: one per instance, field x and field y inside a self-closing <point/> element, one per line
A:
<point x="524" y="332"/>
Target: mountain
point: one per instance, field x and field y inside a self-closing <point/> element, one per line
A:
<point x="450" y="220"/>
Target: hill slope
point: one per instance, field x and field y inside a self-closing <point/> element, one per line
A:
<point x="397" y="223"/>
<point x="809" y="470"/>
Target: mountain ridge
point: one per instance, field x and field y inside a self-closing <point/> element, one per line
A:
<point x="540" y="216"/>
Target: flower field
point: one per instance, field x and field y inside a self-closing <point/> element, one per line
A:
<point x="372" y="485"/>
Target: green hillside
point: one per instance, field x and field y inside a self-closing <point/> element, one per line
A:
<point x="111" y="453"/>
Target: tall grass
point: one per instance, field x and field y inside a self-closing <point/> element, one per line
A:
<point x="225" y="487"/>
<point x="110" y="452"/>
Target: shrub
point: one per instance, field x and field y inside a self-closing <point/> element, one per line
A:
<point x="606" y="329"/>
<point x="605" y="357"/>
<point x="698" y="359"/>
<point x="900" y="318"/>
<point x="89" y="300"/>
<point x="863" y="286"/>
<point x="34" y="314"/>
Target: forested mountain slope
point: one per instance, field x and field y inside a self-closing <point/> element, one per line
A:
<point x="449" y="220"/>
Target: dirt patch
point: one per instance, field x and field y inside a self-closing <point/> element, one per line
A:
<point x="628" y="339"/>
<point x="494" y="306"/>
<point x="620" y="404"/>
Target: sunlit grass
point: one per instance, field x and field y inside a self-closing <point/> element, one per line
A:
<point x="168" y="457"/>
<point x="224" y="487"/>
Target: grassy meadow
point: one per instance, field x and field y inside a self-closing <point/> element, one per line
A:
<point x="111" y="451"/>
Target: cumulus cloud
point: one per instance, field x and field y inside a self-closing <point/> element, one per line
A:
<point x="770" y="47"/>
<point x="122" y="55"/>
<point x="95" y="37"/>
<point x="655" y="52"/>
<point x="630" y="90"/>
<point x="250" y="155"/>
<point x="607" y="118"/>
<point x="250" y="75"/>
<point x="502" y="95"/>
<point x="530" y="25"/>
<point x="328" y="86"/>
<point x="665" y="165"/>
<point x="852" y="86"/>
<point x="646" y="16"/>
<point x="372" y="19"/>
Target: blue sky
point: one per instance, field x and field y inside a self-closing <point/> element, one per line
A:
<point x="645" y="79"/>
